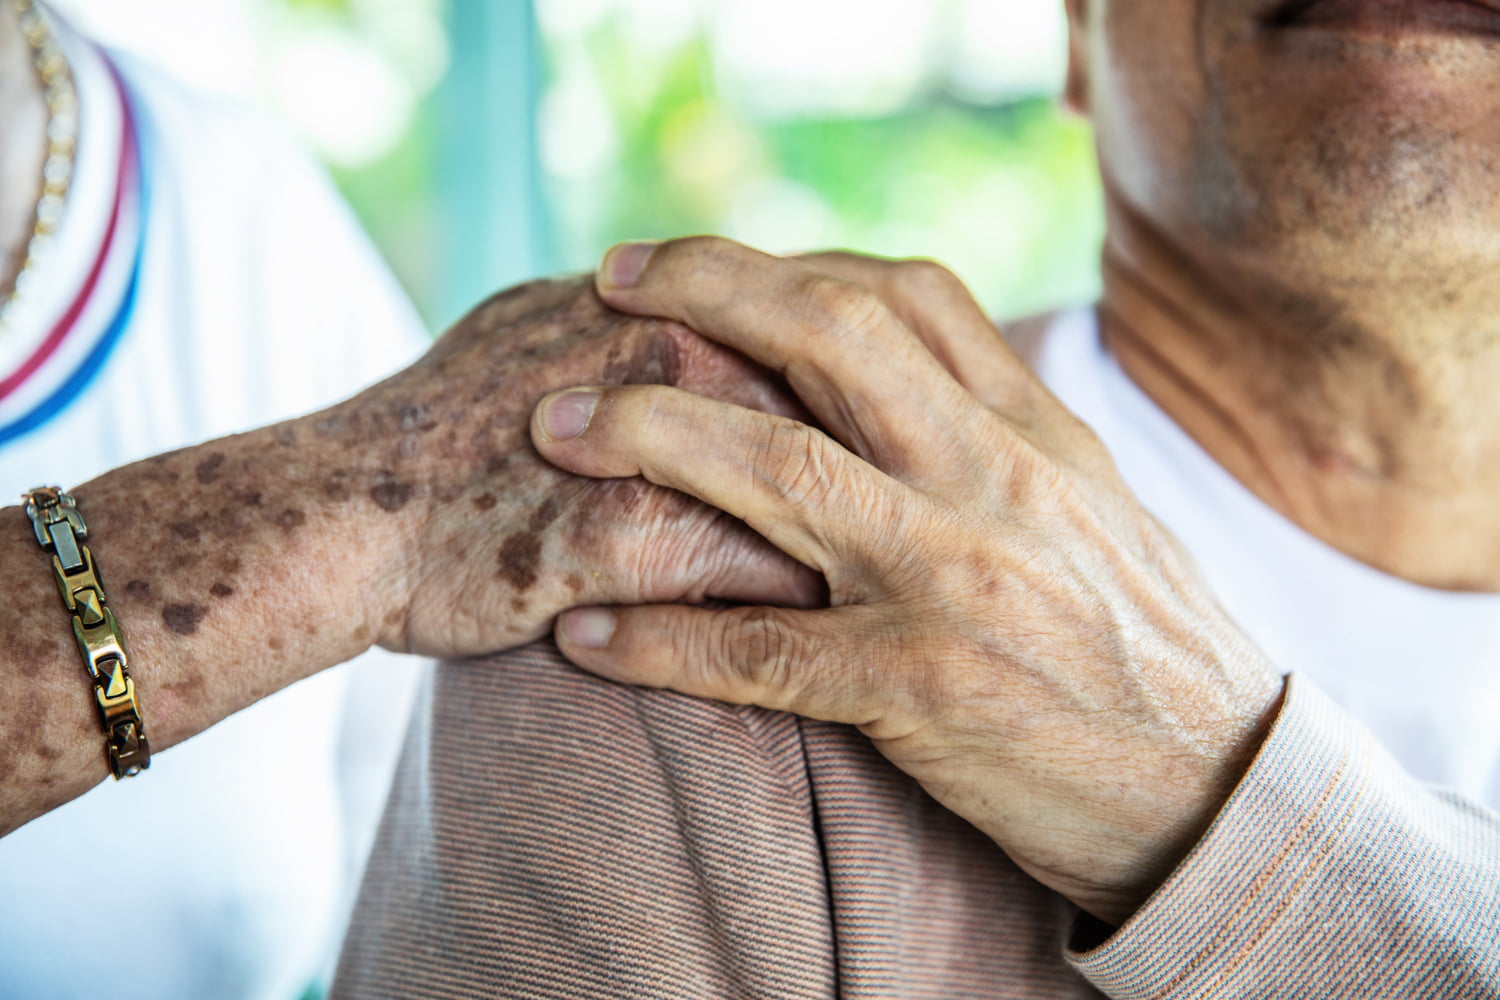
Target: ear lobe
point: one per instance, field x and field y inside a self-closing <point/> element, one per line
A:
<point x="1076" y="89"/>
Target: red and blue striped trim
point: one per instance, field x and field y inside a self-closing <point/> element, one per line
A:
<point x="133" y="180"/>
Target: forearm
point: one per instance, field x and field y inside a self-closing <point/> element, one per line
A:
<point x="234" y="569"/>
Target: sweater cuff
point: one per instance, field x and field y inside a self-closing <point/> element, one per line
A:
<point x="1329" y="872"/>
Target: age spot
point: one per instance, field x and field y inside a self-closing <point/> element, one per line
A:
<point x="391" y="497"/>
<point x="185" y="530"/>
<point x="183" y="618"/>
<point x="208" y="469"/>
<point x="485" y="501"/>
<point x="543" y="516"/>
<point x="221" y="590"/>
<point x="138" y="588"/>
<point x="519" y="556"/>
<point x="574" y="582"/>
<point x="291" y="519"/>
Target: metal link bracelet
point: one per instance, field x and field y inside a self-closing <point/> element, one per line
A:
<point x="61" y="531"/>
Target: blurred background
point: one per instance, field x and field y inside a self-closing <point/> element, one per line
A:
<point x="485" y="141"/>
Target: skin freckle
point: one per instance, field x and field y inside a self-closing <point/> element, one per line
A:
<point x="336" y="491"/>
<point x="138" y="588"/>
<point x="574" y="582"/>
<point x="274" y="644"/>
<point x="183" y="618"/>
<point x="485" y="501"/>
<point x="518" y="605"/>
<point x="543" y="516"/>
<point x="291" y="519"/>
<point x="519" y="557"/>
<point x="221" y="590"/>
<point x="208" y="469"/>
<point x="391" y="497"/>
<point x="185" y="530"/>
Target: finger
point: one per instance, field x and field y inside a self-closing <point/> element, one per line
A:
<point x="812" y="663"/>
<point x="791" y="483"/>
<point x="860" y="371"/>
<point x="707" y="555"/>
<point x="938" y="307"/>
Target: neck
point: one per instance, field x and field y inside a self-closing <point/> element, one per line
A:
<point x="23" y="145"/>
<point x="1371" y="419"/>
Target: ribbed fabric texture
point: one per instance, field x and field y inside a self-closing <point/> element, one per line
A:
<point x="1330" y="873"/>
<point x="553" y="835"/>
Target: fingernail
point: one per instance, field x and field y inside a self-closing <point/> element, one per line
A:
<point x="591" y="628"/>
<point x="565" y="415"/>
<point x="624" y="264"/>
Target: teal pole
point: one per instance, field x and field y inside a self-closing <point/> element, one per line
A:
<point x="494" y="230"/>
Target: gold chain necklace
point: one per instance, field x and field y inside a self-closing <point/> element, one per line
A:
<point x="62" y="140"/>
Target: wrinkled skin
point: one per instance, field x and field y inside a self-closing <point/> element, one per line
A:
<point x="500" y="540"/>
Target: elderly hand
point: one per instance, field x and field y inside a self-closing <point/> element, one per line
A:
<point x="1007" y="624"/>
<point x="497" y="541"/>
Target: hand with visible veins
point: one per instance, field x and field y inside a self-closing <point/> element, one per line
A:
<point x="415" y="515"/>
<point x="1008" y="625"/>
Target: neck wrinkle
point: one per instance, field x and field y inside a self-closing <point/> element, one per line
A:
<point x="1372" y="461"/>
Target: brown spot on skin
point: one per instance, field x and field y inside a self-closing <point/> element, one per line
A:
<point x="360" y="634"/>
<point x="518" y="605"/>
<point x="336" y="491"/>
<point x="185" y="530"/>
<point x="274" y="644"/>
<point x="574" y="582"/>
<point x="47" y="751"/>
<point x="519" y="557"/>
<point x="221" y="590"/>
<point x="485" y="501"/>
<point x="208" y="469"/>
<point x="183" y="560"/>
<point x="183" y="618"/>
<point x="231" y="566"/>
<point x="291" y="519"/>
<point x="138" y="588"/>
<point x="391" y="497"/>
<point x="408" y="447"/>
<point x="249" y="498"/>
<point x="393" y="617"/>
<point x="543" y="516"/>
<point x="190" y="688"/>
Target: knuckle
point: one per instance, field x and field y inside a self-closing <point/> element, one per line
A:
<point x="923" y="278"/>
<point x="840" y="309"/>
<point x="798" y="463"/>
<point x="764" y="651"/>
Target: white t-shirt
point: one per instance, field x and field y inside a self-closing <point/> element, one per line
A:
<point x="1419" y="667"/>
<point x="219" y="284"/>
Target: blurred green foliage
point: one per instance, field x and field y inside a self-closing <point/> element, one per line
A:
<point x="1007" y="195"/>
